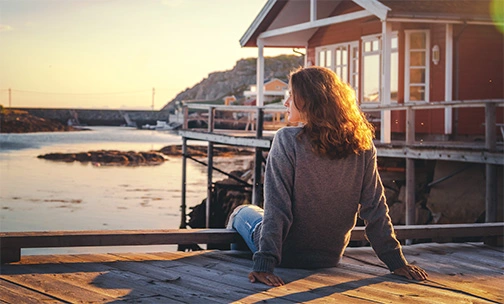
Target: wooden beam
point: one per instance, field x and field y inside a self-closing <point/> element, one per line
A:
<point x="13" y="242"/>
<point x="480" y="157"/>
<point x="226" y="139"/>
<point x="314" y="24"/>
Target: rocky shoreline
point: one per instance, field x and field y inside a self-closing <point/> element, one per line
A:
<point x="132" y="158"/>
<point x="17" y="121"/>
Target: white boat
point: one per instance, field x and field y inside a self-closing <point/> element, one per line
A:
<point x="162" y="125"/>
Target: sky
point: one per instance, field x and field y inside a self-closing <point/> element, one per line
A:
<point x="112" y="53"/>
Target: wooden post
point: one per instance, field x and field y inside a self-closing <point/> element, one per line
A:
<point x="260" y="73"/>
<point x="410" y="171"/>
<point x="385" y="122"/>
<point x="183" y="217"/>
<point x="185" y="111"/>
<point x="491" y="170"/>
<point x="211" y="112"/>
<point x="257" y="189"/>
<point x="10" y="255"/>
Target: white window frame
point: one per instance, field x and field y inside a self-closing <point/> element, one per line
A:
<point x="352" y="73"/>
<point x="332" y="48"/>
<point x="392" y="51"/>
<point x="365" y="39"/>
<point x="378" y="37"/>
<point x="407" y="66"/>
<point x="341" y="65"/>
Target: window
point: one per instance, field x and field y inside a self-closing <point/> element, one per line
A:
<point x="371" y="69"/>
<point x="325" y="58"/>
<point x="371" y="58"/>
<point x="341" y="66"/>
<point x="417" y="66"/>
<point x="354" y="66"/>
<point x="394" y="69"/>
<point x="337" y="57"/>
<point x="344" y="59"/>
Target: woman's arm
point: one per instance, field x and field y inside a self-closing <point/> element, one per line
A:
<point x="379" y="229"/>
<point x="278" y="189"/>
<point x="374" y="211"/>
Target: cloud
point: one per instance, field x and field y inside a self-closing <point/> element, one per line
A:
<point x="5" y="28"/>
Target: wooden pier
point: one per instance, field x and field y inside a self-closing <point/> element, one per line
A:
<point x="465" y="272"/>
<point x="458" y="273"/>
<point x="486" y="152"/>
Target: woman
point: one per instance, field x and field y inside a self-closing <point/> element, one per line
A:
<point x="319" y="177"/>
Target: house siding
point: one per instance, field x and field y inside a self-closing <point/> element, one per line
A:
<point x="480" y="74"/>
<point x="480" y="53"/>
<point x="275" y="85"/>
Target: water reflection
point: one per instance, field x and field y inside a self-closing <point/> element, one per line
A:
<point x="39" y="195"/>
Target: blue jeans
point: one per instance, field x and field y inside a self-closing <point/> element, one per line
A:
<point x="245" y="221"/>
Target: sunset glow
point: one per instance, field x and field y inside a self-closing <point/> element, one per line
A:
<point x="111" y="53"/>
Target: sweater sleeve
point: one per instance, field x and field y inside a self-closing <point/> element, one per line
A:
<point x="278" y="186"/>
<point x="374" y="212"/>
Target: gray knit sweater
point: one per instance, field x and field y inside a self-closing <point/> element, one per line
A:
<point x="311" y="205"/>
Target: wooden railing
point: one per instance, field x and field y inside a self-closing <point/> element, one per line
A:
<point x="409" y="150"/>
<point x="11" y="243"/>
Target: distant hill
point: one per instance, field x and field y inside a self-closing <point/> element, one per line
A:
<point x="235" y="81"/>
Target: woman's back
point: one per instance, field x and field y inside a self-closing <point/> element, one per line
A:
<point x="325" y="198"/>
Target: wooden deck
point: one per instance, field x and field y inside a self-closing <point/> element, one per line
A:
<point x="459" y="273"/>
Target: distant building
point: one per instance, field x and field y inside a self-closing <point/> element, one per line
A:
<point x="273" y="89"/>
<point x="229" y="100"/>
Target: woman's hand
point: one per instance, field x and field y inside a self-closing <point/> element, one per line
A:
<point x="267" y="278"/>
<point x="412" y="272"/>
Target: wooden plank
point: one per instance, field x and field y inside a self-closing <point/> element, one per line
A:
<point x="12" y="293"/>
<point x="448" y="230"/>
<point x="115" y="237"/>
<point x="468" y="253"/>
<point x="401" y="289"/>
<point x="201" y="276"/>
<point x="166" y="283"/>
<point x="192" y="278"/>
<point x="347" y="281"/>
<point x="226" y="139"/>
<point x="294" y="291"/>
<point x="17" y="240"/>
<point x="80" y="277"/>
<point x="412" y="152"/>
<point x="301" y="288"/>
<point x="446" y="273"/>
<point x="201" y="270"/>
<point x="446" y="287"/>
<point x="117" y="284"/>
<point x="48" y="284"/>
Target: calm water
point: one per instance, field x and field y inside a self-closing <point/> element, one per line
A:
<point x="39" y="195"/>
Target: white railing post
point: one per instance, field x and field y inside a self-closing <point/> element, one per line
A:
<point x="385" y="81"/>
<point x="448" y="114"/>
<point x="313" y="10"/>
<point x="260" y="73"/>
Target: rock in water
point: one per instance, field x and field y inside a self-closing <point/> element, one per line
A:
<point x="129" y="158"/>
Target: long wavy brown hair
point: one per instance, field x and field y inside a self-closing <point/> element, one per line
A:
<point x="334" y="123"/>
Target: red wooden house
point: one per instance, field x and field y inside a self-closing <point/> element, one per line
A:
<point x="397" y="53"/>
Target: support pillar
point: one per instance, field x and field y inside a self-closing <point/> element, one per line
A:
<point x="211" y="112"/>
<point x="491" y="170"/>
<point x="385" y="133"/>
<point x="448" y="115"/>
<point x="260" y="73"/>
<point x="410" y="172"/>
<point x="183" y="217"/>
<point x="257" y="196"/>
